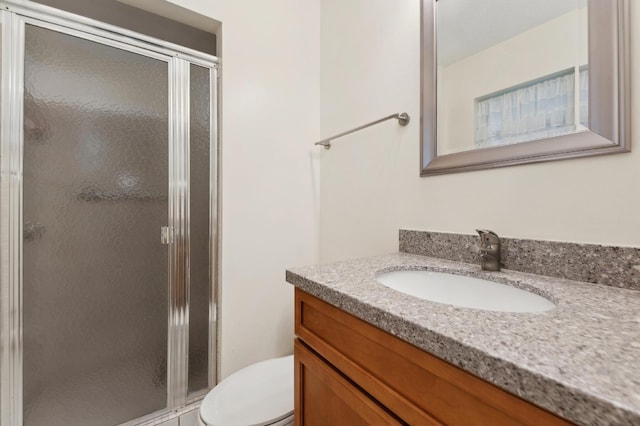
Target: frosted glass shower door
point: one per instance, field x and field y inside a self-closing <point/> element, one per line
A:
<point x="95" y="197"/>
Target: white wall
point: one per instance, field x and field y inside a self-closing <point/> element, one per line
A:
<point x="270" y="118"/>
<point x="370" y="184"/>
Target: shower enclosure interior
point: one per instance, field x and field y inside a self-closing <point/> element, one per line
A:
<point x="107" y="222"/>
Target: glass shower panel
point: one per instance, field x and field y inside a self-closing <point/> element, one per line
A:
<point x="95" y="198"/>
<point x="200" y="204"/>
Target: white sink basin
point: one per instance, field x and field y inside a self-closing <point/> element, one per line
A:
<point x="465" y="292"/>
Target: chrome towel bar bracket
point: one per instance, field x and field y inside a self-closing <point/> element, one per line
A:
<point x="403" y="119"/>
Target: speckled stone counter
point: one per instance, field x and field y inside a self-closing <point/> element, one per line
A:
<point x="592" y="263"/>
<point x="580" y="360"/>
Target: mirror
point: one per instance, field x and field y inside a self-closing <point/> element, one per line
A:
<point x="522" y="81"/>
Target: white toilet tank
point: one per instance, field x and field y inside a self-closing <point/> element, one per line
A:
<point x="258" y="395"/>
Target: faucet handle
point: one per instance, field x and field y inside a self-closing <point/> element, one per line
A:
<point x="488" y="237"/>
<point x="490" y="248"/>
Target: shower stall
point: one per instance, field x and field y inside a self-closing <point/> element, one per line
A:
<point x="108" y="222"/>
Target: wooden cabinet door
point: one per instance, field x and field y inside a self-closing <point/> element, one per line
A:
<point x="416" y="386"/>
<point x="323" y="397"/>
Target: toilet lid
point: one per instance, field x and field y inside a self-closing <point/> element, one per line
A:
<point x="257" y="395"/>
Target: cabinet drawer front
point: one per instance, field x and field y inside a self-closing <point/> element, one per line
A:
<point x="326" y="398"/>
<point x="418" y="387"/>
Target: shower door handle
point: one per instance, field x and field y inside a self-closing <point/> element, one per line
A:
<point x="166" y="235"/>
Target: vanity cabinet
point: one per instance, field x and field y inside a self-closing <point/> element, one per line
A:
<point x="350" y="372"/>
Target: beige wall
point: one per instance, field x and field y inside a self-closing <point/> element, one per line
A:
<point x="270" y="117"/>
<point x="277" y="91"/>
<point x="370" y="185"/>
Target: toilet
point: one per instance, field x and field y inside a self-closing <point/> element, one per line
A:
<point x="258" y="395"/>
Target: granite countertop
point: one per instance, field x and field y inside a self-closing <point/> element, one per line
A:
<point x="580" y="360"/>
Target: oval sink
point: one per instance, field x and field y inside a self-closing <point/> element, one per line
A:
<point x="465" y="292"/>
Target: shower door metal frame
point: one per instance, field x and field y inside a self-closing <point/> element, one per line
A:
<point x="15" y="14"/>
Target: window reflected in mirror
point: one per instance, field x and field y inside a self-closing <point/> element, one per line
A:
<point x="510" y="71"/>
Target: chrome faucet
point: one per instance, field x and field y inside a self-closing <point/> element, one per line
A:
<point x="489" y="250"/>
